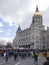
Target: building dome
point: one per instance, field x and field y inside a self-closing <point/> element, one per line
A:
<point x="37" y="13"/>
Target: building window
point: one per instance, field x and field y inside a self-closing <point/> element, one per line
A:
<point x="43" y="37"/>
<point x="47" y="36"/>
<point x="32" y="37"/>
<point x="37" y="41"/>
<point x="36" y="37"/>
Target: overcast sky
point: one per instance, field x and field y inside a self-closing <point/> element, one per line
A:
<point x="19" y="12"/>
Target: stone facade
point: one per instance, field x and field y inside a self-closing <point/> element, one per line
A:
<point x="33" y="37"/>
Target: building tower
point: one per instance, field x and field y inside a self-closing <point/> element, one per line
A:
<point x="37" y="17"/>
<point x="36" y="29"/>
<point x="17" y="36"/>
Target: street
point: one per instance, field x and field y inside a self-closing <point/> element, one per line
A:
<point x="26" y="61"/>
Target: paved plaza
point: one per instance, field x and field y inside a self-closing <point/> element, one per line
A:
<point x="26" y="61"/>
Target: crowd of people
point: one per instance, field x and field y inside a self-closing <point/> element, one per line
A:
<point x="23" y="54"/>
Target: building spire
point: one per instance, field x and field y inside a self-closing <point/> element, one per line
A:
<point x="19" y="28"/>
<point x="37" y="9"/>
<point x="37" y="12"/>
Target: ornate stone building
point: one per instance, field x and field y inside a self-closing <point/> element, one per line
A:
<point x="35" y="36"/>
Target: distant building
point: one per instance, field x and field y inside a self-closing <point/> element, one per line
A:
<point x="35" y="36"/>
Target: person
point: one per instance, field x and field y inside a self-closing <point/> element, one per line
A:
<point x="31" y="54"/>
<point x="46" y="62"/>
<point x="35" y="59"/>
<point x="4" y="54"/>
<point x="6" y="57"/>
<point x="24" y="54"/>
<point x="44" y="54"/>
<point x="15" y="55"/>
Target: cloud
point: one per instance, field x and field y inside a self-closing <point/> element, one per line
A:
<point x="14" y="11"/>
<point x="1" y="31"/>
<point x="8" y="33"/>
<point x="9" y="30"/>
<point x="1" y="24"/>
<point x="45" y="15"/>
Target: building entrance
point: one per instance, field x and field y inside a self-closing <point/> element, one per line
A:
<point x="24" y="46"/>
